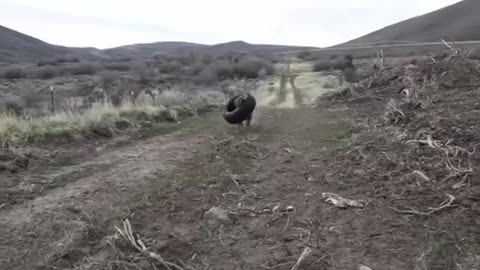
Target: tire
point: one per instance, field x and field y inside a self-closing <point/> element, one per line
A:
<point x="236" y="115"/>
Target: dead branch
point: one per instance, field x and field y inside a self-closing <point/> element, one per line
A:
<point x="422" y="175"/>
<point x="302" y="257"/>
<point x="341" y="202"/>
<point x="445" y="204"/>
<point x="139" y="245"/>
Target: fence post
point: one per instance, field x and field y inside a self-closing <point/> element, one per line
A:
<point x="102" y="96"/>
<point x="52" y="99"/>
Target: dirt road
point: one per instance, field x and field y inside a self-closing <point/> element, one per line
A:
<point x="268" y="179"/>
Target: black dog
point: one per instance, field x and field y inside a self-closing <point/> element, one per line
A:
<point x="240" y="109"/>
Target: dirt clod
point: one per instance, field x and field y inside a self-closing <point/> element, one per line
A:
<point x="217" y="215"/>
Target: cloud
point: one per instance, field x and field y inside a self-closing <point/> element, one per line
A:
<point x="108" y="23"/>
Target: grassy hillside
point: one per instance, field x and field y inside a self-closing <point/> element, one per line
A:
<point x="458" y="22"/>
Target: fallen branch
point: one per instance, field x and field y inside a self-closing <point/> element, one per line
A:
<point x="422" y="175"/>
<point x="445" y="204"/>
<point x="139" y="245"/>
<point x="302" y="257"/>
<point x="341" y="202"/>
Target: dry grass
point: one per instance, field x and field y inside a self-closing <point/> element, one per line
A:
<point x="170" y="106"/>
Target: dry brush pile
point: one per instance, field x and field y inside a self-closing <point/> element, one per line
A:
<point x="414" y="151"/>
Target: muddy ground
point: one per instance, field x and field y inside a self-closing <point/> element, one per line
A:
<point x="268" y="181"/>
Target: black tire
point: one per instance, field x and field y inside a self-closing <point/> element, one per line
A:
<point x="236" y="115"/>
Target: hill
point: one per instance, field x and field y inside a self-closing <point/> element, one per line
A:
<point x="176" y="48"/>
<point x="18" y="47"/>
<point x="457" y="22"/>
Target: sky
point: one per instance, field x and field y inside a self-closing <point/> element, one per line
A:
<point x="112" y="23"/>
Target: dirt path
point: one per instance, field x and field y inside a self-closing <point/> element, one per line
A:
<point x="34" y="232"/>
<point x="268" y="179"/>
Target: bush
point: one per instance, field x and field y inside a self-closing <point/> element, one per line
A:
<point x="117" y="67"/>
<point x="322" y="65"/>
<point x="250" y="68"/>
<point x="46" y="73"/>
<point x="170" y="67"/>
<point x="67" y="59"/>
<point x="15" y="73"/>
<point x="42" y="63"/>
<point x="84" y="69"/>
<point x="304" y="54"/>
<point x="196" y="69"/>
<point x="207" y="76"/>
<point x="223" y="70"/>
<point x="107" y="78"/>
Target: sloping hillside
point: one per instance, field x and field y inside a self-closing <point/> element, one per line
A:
<point x="18" y="47"/>
<point x="242" y="46"/>
<point x="458" y="22"/>
<point x="150" y="49"/>
<point x="175" y="48"/>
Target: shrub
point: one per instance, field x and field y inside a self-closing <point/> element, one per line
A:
<point x="117" y="67"/>
<point x="67" y="59"/>
<point x="207" y="76"/>
<point x="250" y="68"/>
<point x="107" y="78"/>
<point x="14" y="73"/>
<point x="196" y="69"/>
<point x="322" y="65"/>
<point x="42" y="63"/>
<point x="46" y="73"/>
<point x="304" y="54"/>
<point x="170" y="67"/>
<point x="84" y="69"/>
<point x="223" y="70"/>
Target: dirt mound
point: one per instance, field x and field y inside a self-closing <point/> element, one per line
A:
<point x="12" y="161"/>
<point x="415" y="149"/>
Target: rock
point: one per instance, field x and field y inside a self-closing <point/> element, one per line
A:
<point x="217" y="215"/>
<point x="363" y="267"/>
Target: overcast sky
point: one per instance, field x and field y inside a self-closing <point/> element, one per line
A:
<point x="110" y="23"/>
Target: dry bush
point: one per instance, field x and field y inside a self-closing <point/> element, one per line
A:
<point x="84" y="69"/>
<point x="322" y="65"/>
<point x="170" y="67"/>
<point x="250" y="68"/>
<point x="46" y="73"/>
<point x="108" y="78"/>
<point x="14" y="73"/>
<point x="325" y="65"/>
<point x="117" y="67"/>
<point x="49" y="62"/>
<point x="304" y="54"/>
<point x="67" y="59"/>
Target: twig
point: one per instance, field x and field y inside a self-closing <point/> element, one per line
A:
<point x="302" y="257"/>
<point x="446" y="44"/>
<point x="422" y="175"/>
<point x="286" y="225"/>
<point x="139" y="245"/>
<point x="236" y="183"/>
<point x="445" y="204"/>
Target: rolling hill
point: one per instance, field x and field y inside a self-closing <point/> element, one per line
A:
<point x="457" y="22"/>
<point x="18" y="47"/>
